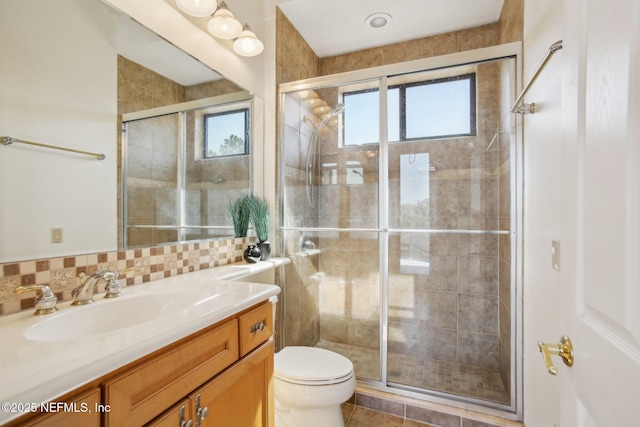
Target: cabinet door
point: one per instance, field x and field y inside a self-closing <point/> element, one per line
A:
<point x="242" y="396"/>
<point x="83" y="410"/>
<point x="178" y="416"/>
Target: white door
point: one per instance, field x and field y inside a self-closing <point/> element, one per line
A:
<point x="601" y="151"/>
<point x="598" y="221"/>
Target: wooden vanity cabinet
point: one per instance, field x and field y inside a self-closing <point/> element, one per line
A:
<point x="221" y="376"/>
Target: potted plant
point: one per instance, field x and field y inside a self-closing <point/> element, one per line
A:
<point x="240" y="215"/>
<point x="260" y="218"/>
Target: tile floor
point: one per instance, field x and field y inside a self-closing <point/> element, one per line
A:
<point x="355" y="416"/>
<point x="439" y="375"/>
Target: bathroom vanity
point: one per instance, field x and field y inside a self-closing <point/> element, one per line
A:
<point x="202" y="355"/>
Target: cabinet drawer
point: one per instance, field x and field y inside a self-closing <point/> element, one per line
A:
<point x="256" y="326"/>
<point x="82" y="412"/>
<point x="145" y="391"/>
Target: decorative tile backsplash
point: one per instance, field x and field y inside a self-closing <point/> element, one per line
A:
<point x="61" y="274"/>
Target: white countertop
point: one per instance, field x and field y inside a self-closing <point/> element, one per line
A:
<point x="40" y="371"/>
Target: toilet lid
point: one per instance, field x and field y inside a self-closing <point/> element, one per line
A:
<point x="311" y="365"/>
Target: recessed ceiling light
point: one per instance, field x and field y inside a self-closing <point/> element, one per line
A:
<point x="378" y="20"/>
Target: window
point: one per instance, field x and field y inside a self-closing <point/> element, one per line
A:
<point x="439" y="108"/>
<point x="226" y="134"/>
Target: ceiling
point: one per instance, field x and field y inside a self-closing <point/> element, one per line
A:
<point x="333" y="27"/>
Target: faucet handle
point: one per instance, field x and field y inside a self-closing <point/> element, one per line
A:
<point x="113" y="287"/>
<point x="45" y="299"/>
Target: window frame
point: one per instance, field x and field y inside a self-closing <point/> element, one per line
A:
<point x="247" y="132"/>
<point x="402" y="101"/>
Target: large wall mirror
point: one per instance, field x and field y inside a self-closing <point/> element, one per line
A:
<point x="183" y="165"/>
<point x="71" y="70"/>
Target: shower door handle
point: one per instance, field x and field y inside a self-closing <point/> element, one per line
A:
<point x="564" y="349"/>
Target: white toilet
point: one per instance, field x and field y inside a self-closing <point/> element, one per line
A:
<point x="310" y="385"/>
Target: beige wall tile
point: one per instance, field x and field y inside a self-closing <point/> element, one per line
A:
<point x="438" y="45"/>
<point x="479" y="37"/>
<point x="401" y="52"/>
<point x="511" y="21"/>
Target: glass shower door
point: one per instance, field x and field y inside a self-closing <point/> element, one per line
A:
<point x="152" y="205"/>
<point x="401" y="230"/>
<point x="330" y="182"/>
<point x="449" y="222"/>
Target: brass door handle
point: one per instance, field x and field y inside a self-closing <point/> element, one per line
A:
<point x="564" y="349"/>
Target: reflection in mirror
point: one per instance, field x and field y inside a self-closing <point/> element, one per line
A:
<point x="59" y="87"/>
<point x="183" y="167"/>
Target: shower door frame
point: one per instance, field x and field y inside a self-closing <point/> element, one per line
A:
<point x="506" y="51"/>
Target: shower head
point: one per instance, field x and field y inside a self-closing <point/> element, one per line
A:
<point x="313" y="146"/>
<point x="338" y="109"/>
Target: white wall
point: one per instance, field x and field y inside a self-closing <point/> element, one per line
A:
<point x="543" y="25"/>
<point x="61" y="93"/>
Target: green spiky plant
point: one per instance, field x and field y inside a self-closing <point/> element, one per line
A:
<point x="240" y="215"/>
<point x="260" y="216"/>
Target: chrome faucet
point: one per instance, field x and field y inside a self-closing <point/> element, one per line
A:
<point x="83" y="294"/>
<point x="45" y="299"/>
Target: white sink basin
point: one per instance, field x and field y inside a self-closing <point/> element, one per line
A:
<point x="105" y="316"/>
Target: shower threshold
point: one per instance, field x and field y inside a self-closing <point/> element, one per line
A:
<point x="428" y="374"/>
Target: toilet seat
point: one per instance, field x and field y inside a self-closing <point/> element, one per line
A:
<point x="311" y="366"/>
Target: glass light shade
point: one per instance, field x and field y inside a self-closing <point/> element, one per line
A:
<point x="247" y="44"/>
<point x="315" y="102"/>
<point x="321" y="110"/>
<point x="199" y="8"/>
<point x="308" y="93"/>
<point x="223" y="24"/>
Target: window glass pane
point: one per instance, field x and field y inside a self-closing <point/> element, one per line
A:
<point x="393" y="113"/>
<point x="226" y="134"/>
<point x="414" y="190"/>
<point x="438" y="109"/>
<point x="361" y="118"/>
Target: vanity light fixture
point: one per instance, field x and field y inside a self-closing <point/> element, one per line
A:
<point x="247" y="44"/>
<point x="199" y="8"/>
<point x="223" y="24"/>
